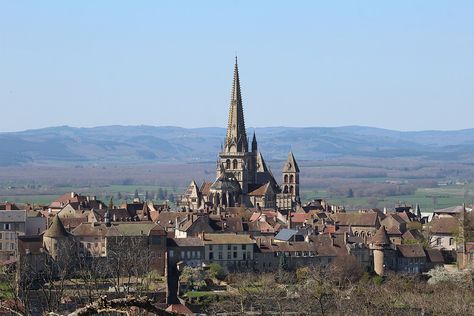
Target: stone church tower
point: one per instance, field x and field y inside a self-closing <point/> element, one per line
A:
<point x="291" y="177"/>
<point x="235" y="157"/>
<point x="242" y="176"/>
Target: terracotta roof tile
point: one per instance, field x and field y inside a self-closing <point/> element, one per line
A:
<point x="444" y="225"/>
<point x="381" y="237"/>
<point x="411" y="251"/>
<point x="356" y="219"/>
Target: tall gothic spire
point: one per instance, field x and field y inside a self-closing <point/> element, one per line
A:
<point x="236" y="137"/>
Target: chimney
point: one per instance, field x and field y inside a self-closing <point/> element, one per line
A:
<point x="100" y="206"/>
<point x="73" y="194"/>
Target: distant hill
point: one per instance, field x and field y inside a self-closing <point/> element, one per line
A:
<point x="145" y="144"/>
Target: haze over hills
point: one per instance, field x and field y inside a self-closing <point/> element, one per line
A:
<point x="145" y="144"/>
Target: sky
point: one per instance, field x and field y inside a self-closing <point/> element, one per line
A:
<point x="403" y="65"/>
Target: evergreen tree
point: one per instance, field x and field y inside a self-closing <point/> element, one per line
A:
<point x="111" y="203"/>
<point x="161" y="195"/>
<point x="350" y="193"/>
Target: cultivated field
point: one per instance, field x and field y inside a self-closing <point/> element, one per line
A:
<point x="355" y="183"/>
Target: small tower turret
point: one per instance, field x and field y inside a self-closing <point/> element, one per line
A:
<point x="291" y="176"/>
<point x="380" y="244"/>
<point x="55" y="237"/>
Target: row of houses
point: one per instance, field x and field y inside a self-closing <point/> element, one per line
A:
<point x="318" y="233"/>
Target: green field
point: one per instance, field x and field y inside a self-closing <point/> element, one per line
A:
<point x="44" y="196"/>
<point x="429" y="199"/>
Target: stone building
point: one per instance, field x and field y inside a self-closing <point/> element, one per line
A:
<point x="242" y="177"/>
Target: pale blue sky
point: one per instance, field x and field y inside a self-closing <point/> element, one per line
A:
<point x="406" y="65"/>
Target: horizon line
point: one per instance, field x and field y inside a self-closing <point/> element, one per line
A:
<point x="222" y="127"/>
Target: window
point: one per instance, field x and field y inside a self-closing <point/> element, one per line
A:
<point x="285" y="179"/>
<point x="220" y="255"/>
<point x="171" y="252"/>
<point x="235" y="254"/>
<point x="451" y="241"/>
<point x="188" y="253"/>
<point x="182" y="254"/>
<point x="229" y="256"/>
<point x="438" y="241"/>
<point x="292" y="179"/>
<point x="227" y="164"/>
<point x="229" y="247"/>
<point x="220" y="247"/>
<point x="198" y="254"/>
<point x="7" y="226"/>
<point x="243" y="247"/>
<point x="211" y="256"/>
<point x="210" y="247"/>
<point x="234" y="164"/>
<point x="1" y="236"/>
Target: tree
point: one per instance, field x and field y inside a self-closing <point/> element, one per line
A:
<point x="161" y="194"/>
<point x="345" y="270"/>
<point x="136" y="196"/>
<point x="316" y="293"/>
<point x="350" y="193"/>
<point x="216" y="271"/>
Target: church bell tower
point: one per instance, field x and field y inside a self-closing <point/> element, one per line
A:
<point x="235" y="157"/>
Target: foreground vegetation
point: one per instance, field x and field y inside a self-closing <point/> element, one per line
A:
<point x="336" y="291"/>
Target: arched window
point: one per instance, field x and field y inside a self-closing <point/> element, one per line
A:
<point x="292" y="179"/>
<point x="286" y="178"/>
<point x="234" y="164"/>
<point x="227" y="164"/>
<point x="291" y="189"/>
<point x="285" y="190"/>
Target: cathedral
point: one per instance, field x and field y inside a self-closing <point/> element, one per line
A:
<point x="243" y="178"/>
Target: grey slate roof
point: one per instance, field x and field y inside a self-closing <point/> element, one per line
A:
<point x="56" y="229"/>
<point x="286" y="234"/>
<point x="13" y="216"/>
